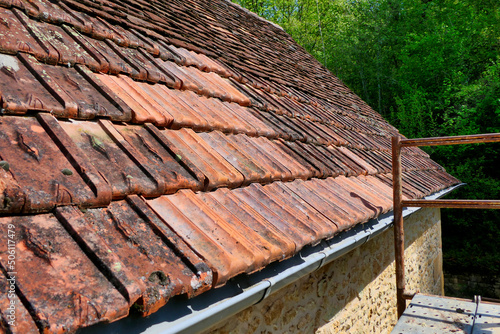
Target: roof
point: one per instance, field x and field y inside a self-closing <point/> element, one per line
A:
<point x="153" y="149"/>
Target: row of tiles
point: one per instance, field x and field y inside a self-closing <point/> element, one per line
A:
<point x="346" y="104"/>
<point x="278" y="57"/>
<point x="232" y="28"/>
<point x="101" y="46"/>
<point x="78" y="267"/>
<point x="90" y="163"/>
<point x="79" y="93"/>
<point x="101" y="55"/>
<point x="121" y="54"/>
<point x="334" y="114"/>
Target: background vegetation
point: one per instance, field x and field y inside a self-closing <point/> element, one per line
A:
<point x="431" y="68"/>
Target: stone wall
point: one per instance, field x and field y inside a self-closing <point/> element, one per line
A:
<point x="355" y="293"/>
<point x="468" y="285"/>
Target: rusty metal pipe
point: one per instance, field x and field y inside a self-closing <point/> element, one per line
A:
<point x="453" y="203"/>
<point x="452" y="140"/>
<point x="399" y="238"/>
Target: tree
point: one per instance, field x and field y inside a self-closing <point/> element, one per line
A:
<point x="430" y="67"/>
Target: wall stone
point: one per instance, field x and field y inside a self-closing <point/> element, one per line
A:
<point x="355" y="293"/>
<point x="468" y="285"/>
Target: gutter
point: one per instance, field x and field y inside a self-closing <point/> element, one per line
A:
<point x="188" y="316"/>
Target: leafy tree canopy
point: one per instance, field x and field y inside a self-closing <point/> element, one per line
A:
<point x="430" y="67"/>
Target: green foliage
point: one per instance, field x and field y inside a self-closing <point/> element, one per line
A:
<point x="431" y="67"/>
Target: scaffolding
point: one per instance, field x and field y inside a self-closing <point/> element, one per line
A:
<point x="397" y="143"/>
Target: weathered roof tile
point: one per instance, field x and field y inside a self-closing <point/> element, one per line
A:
<point x="15" y="318"/>
<point x="269" y="163"/>
<point x="245" y="164"/>
<point x="277" y="215"/>
<point x="30" y="152"/>
<point x="15" y="36"/>
<point x="323" y="204"/>
<point x="304" y="213"/>
<point x="105" y="152"/>
<point x="15" y="80"/>
<point x="143" y="108"/>
<point x="150" y="265"/>
<point x="211" y="237"/>
<point x="74" y="292"/>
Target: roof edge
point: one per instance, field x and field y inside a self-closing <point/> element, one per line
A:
<point x="254" y="15"/>
<point x="183" y="315"/>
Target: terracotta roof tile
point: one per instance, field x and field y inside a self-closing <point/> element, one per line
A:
<point x="247" y="123"/>
<point x="214" y="119"/>
<point x="296" y="169"/>
<point x="356" y="193"/>
<point x="11" y="87"/>
<point x="60" y="47"/>
<point x="377" y="187"/>
<point x="74" y="292"/>
<point x="281" y="246"/>
<point x="19" y="38"/>
<point x="104" y="149"/>
<point x="351" y="156"/>
<point x="217" y="173"/>
<point x="13" y="309"/>
<point x="144" y="109"/>
<point x="244" y="163"/>
<point x="230" y="122"/>
<point x="30" y="152"/>
<point x="272" y="122"/>
<point x="156" y="156"/>
<point x="109" y="61"/>
<point x="302" y="210"/>
<point x="183" y="114"/>
<point x="326" y="156"/>
<point x="344" y="199"/>
<point x="323" y="204"/>
<point x="138" y="250"/>
<point x="298" y="158"/>
<point x="268" y="208"/>
<point x="266" y="251"/>
<point x="220" y="245"/>
<point x="270" y="163"/>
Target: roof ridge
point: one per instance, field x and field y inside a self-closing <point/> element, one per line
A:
<point x="254" y="14"/>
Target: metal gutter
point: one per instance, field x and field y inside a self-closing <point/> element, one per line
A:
<point x="182" y="315"/>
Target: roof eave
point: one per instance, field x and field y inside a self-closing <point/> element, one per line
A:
<point x="182" y="315"/>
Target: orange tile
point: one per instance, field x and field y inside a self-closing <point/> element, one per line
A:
<point x="14" y="101"/>
<point x="124" y="174"/>
<point x="221" y="246"/>
<point x="45" y="175"/>
<point x="329" y="207"/>
<point x="245" y="164"/>
<point x="216" y="173"/>
<point x="300" y="234"/>
<point x="154" y="264"/>
<point x="57" y="278"/>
